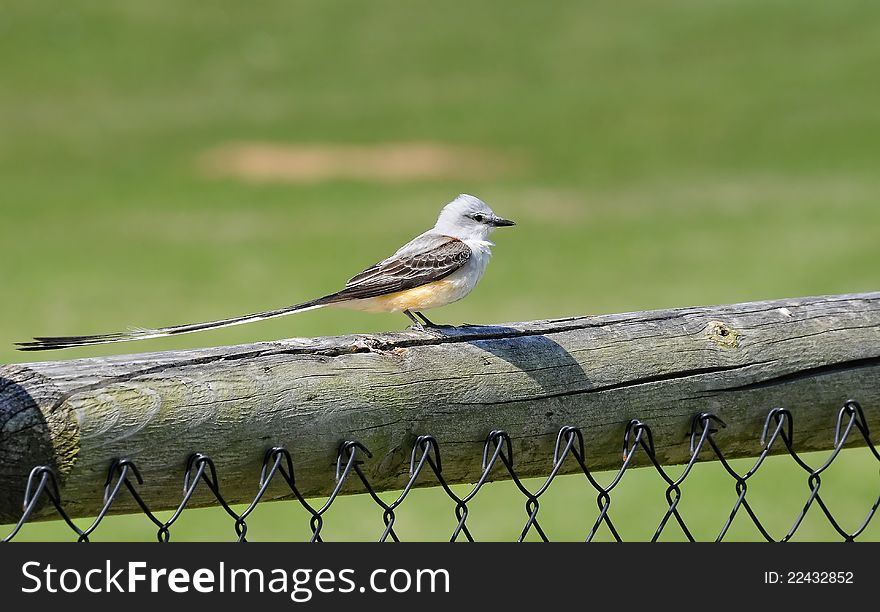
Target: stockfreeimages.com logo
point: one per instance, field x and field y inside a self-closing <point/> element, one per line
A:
<point x="300" y="584"/>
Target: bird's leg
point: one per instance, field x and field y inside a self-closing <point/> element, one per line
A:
<point x="415" y="321"/>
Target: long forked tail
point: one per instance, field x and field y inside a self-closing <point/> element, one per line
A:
<point x="60" y="342"/>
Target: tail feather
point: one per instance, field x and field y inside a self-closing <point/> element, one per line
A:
<point x="50" y="343"/>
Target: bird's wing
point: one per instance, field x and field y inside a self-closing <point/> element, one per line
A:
<point x="426" y="259"/>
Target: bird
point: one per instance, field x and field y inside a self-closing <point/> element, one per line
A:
<point x="436" y="268"/>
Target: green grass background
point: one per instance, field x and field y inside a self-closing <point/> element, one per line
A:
<point x="678" y="153"/>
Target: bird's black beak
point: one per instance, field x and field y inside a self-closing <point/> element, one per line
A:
<point x="499" y="222"/>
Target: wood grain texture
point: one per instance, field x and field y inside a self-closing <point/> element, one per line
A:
<point x="233" y="403"/>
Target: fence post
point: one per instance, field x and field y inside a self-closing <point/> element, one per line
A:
<point x="596" y="373"/>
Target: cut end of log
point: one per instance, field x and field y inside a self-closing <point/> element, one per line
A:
<point x="34" y="430"/>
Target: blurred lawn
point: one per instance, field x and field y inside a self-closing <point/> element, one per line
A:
<point x="677" y="153"/>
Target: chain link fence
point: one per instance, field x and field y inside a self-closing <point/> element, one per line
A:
<point x="497" y="463"/>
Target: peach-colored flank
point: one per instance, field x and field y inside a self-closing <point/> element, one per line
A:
<point x="424" y="297"/>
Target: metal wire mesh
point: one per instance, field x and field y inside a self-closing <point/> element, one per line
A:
<point x="497" y="462"/>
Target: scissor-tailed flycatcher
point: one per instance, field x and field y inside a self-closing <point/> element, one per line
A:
<point x="436" y="268"/>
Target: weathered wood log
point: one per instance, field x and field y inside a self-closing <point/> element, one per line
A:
<point x="232" y="403"/>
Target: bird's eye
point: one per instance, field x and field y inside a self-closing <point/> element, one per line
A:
<point x="478" y="218"/>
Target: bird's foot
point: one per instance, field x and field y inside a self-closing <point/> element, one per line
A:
<point x="425" y="325"/>
<point x="429" y="323"/>
<point x="433" y="330"/>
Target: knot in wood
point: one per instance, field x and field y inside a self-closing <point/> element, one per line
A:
<point x="722" y="334"/>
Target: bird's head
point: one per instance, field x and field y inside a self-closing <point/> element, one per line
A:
<point x="469" y="218"/>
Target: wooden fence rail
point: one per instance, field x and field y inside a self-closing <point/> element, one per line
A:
<point x="738" y="361"/>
